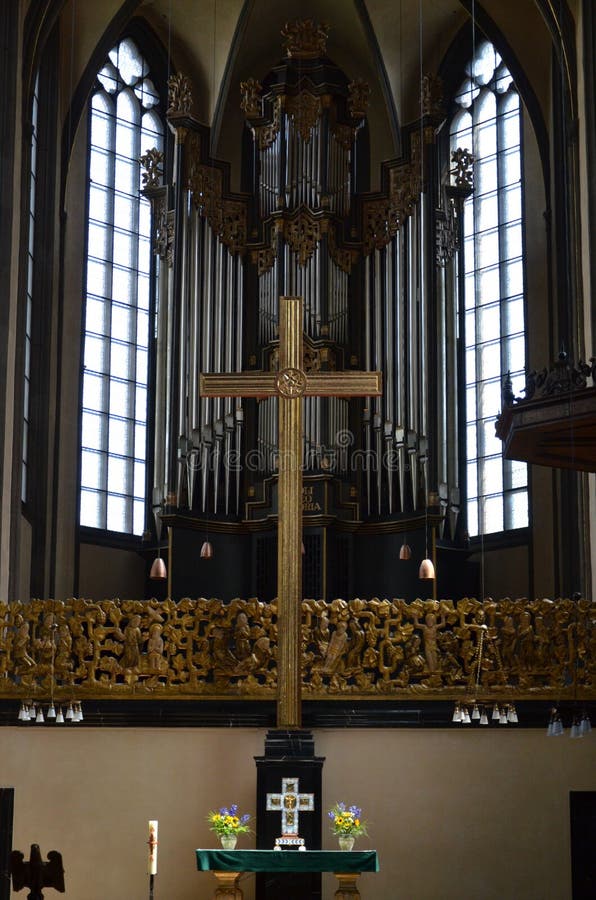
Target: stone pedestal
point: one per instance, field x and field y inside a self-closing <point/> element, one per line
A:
<point x="288" y="754"/>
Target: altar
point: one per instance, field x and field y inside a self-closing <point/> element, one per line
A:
<point x="229" y="865"/>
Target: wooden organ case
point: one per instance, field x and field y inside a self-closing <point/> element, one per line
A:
<point x="366" y="264"/>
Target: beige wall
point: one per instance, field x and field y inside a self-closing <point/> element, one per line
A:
<point x="481" y="814"/>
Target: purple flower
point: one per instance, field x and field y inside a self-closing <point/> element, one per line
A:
<point x="244" y="819"/>
<point x="223" y="811"/>
<point x="233" y="809"/>
<point x="331" y="814"/>
<point x="341" y="806"/>
<point x="356" y="811"/>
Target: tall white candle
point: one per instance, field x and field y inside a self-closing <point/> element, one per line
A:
<point x="152" y="869"/>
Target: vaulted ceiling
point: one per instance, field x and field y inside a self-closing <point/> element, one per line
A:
<point x="219" y="43"/>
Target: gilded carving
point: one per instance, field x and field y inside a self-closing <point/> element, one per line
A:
<point x="364" y="648"/>
<point x="305" y="39"/>
<point x="302" y="233"/>
<point x="447" y="234"/>
<point x="384" y="217"/>
<point x="462" y="171"/>
<point x="179" y="94"/>
<point x="251" y="98"/>
<point x="343" y="258"/>
<point x="432" y="97"/>
<point x="163" y="231"/>
<point x="561" y="378"/>
<point x="304" y="110"/>
<point x="266" y="134"/>
<point x="359" y="95"/>
<point x="152" y="166"/>
<point x="312" y="358"/>
<point x="264" y="258"/>
<point x="343" y="134"/>
<point x="227" y="217"/>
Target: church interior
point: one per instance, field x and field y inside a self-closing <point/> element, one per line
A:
<point x="298" y="371"/>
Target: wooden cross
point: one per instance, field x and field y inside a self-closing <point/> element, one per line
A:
<point x="290" y="384"/>
<point x="290" y="803"/>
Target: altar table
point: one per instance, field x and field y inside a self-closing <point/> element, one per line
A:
<point x="228" y="865"/>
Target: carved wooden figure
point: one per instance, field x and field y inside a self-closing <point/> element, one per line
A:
<point x="36" y="874"/>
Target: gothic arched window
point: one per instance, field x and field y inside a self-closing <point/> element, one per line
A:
<point x="124" y="122"/>
<point x="488" y="122"/>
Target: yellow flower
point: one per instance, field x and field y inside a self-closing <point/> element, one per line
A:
<point x="339" y="821"/>
<point x="356" y="822"/>
<point x="235" y="821"/>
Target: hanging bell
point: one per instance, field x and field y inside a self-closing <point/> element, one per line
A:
<point x="405" y="551"/>
<point x="427" y="570"/>
<point x="158" y="570"/>
<point x="206" y="550"/>
<point x="483" y="717"/>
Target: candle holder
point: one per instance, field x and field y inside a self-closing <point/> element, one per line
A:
<point x="152" y="863"/>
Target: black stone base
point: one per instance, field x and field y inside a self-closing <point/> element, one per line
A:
<point x="288" y="754"/>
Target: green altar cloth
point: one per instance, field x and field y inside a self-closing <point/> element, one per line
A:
<point x="288" y="860"/>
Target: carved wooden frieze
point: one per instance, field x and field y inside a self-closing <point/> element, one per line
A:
<point x="539" y="649"/>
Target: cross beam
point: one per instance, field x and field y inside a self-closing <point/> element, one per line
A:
<point x="290" y="384"/>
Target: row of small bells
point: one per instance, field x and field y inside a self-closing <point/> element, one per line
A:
<point x="504" y="715"/>
<point x="581" y="725"/>
<point x="33" y="712"/>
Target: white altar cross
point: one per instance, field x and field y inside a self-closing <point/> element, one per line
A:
<point x="290" y="803"/>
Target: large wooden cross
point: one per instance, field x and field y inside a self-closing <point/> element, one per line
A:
<point x="290" y="384"/>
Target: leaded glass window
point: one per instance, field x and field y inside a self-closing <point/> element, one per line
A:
<point x="125" y="121"/>
<point x="489" y="123"/>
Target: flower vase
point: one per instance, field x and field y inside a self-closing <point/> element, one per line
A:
<point x="228" y="841"/>
<point x="346" y="841"/>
